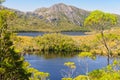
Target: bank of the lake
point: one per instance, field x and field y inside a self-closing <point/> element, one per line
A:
<point x="54" y="63"/>
<point x="84" y="42"/>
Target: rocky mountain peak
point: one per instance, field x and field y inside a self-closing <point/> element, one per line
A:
<point x="62" y="8"/>
<point x="62" y="11"/>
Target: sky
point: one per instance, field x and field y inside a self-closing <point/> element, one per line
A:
<point x="111" y="6"/>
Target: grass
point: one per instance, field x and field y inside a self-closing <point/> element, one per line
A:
<point x="23" y="43"/>
<point x="87" y="42"/>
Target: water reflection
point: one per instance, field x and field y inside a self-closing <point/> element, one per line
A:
<point x="53" y="63"/>
<point x="33" y="34"/>
<point x="51" y="55"/>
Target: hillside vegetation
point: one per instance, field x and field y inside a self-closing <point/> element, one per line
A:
<point x="59" y="17"/>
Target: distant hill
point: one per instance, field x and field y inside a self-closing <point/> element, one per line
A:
<point x="59" y="17"/>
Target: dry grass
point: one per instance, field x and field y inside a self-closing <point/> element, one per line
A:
<point x="25" y="42"/>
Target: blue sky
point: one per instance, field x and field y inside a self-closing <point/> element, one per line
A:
<point x="112" y="6"/>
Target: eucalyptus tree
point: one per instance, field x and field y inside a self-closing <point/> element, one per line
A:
<point x="99" y="21"/>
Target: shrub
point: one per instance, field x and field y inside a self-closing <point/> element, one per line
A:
<point x="56" y="42"/>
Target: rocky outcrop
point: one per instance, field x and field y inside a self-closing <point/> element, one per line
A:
<point x="60" y="11"/>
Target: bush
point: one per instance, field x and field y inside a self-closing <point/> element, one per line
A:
<point x="102" y="75"/>
<point x="56" y="42"/>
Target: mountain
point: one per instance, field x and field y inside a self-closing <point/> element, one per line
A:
<point x="59" y="17"/>
<point x="61" y="12"/>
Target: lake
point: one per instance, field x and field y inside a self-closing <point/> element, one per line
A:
<point x="54" y="64"/>
<point x="42" y="33"/>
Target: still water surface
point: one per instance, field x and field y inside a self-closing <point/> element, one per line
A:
<point x="42" y="33"/>
<point x="54" y="64"/>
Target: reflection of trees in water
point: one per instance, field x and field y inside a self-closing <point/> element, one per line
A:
<point x="50" y="55"/>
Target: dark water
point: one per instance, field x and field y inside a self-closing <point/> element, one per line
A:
<point x="42" y="33"/>
<point x="54" y="64"/>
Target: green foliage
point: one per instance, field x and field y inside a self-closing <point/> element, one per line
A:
<point x="85" y="54"/>
<point x="37" y="75"/>
<point x="107" y="73"/>
<point x="9" y="15"/>
<point x="103" y="75"/>
<point x="81" y="77"/>
<point x="67" y="79"/>
<point x="10" y="62"/>
<point x="69" y="71"/>
<point x="99" y="20"/>
<point x="12" y="65"/>
<point x="85" y="47"/>
<point x="56" y="42"/>
<point x="112" y="40"/>
<point x="109" y="37"/>
<point x="70" y="65"/>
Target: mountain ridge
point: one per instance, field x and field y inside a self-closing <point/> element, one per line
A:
<point x="60" y="10"/>
<point x="58" y="17"/>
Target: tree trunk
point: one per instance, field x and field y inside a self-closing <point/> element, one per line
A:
<point x="106" y="46"/>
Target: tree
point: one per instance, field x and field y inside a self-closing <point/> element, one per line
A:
<point x="69" y="72"/>
<point x="37" y="75"/>
<point x="112" y="40"/>
<point x="82" y="57"/>
<point x="11" y="64"/>
<point x="100" y="21"/>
